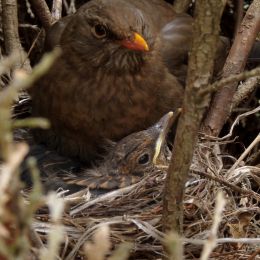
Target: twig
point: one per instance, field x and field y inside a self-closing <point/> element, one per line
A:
<point x="181" y="6"/>
<point x="224" y="241"/>
<point x="71" y="8"/>
<point x="148" y="229"/>
<point x="238" y="14"/>
<point x="230" y="79"/>
<point x="233" y="125"/>
<point x="56" y="10"/>
<point x="11" y="35"/>
<point x="34" y="42"/>
<point x="41" y="9"/>
<point x="12" y="163"/>
<point x="245" y="153"/>
<point x="34" y="236"/>
<point x="86" y="235"/>
<point x="174" y="244"/>
<point x="56" y="232"/>
<point x="254" y="255"/>
<point x="29" y="10"/>
<point x="31" y="123"/>
<point x="244" y="91"/>
<point x="107" y="196"/>
<point x="222" y="101"/>
<point x="211" y="242"/>
<point x="228" y="184"/>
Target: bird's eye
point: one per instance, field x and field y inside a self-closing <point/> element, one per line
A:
<point x="144" y="159"/>
<point x="99" y="31"/>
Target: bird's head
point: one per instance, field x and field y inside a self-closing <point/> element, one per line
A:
<point x="137" y="154"/>
<point x="112" y="36"/>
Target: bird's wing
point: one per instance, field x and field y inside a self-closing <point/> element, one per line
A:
<point x="176" y="42"/>
<point x="176" y="38"/>
<point x="53" y="35"/>
<point x="158" y="11"/>
<point x="98" y="178"/>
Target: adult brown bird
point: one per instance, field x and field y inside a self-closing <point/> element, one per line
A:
<point x="121" y="69"/>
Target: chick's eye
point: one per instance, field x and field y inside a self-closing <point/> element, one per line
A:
<point x="99" y="31"/>
<point x="144" y="159"/>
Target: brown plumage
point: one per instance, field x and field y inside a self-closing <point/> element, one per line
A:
<point x="122" y="66"/>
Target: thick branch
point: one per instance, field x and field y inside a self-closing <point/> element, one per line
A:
<point x="221" y="104"/>
<point x="181" y="6"/>
<point x="11" y="35"/>
<point x="42" y="10"/>
<point x="206" y="28"/>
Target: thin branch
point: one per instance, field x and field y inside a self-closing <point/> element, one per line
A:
<point x="211" y="242"/>
<point x="31" y="123"/>
<point x="228" y="184"/>
<point x="206" y="27"/>
<point x="251" y="112"/>
<point x="245" y="89"/>
<point x="245" y="38"/>
<point x="42" y="10"/>
<point x="56" y="10"/>
<point x="235" y="78"/>
<point x="238" y="14"/>
<point x="181" y="6"/>
<point x="245" y="153"/>
<point x="105" y="197"/>
<point x="224" y="241"/>
<point x="11" y="35"/>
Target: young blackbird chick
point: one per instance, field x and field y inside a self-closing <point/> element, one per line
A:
<point x="121" y="69"/>
<point x="126" y="162"/>
<point x="130" y="159"/>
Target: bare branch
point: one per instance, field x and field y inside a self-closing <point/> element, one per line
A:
<point x="56" y="9"/>
<point x="221" y="104"/>
<point x="11" y="35"/>
<point x="181" y="6"/>
<point x="206" y="28"/>
<point x="244" y="90"/>
<point x="228" y="184"/>
<point x="41" y="9"/>
<point x="245" y="153"/>
<point x="211" y="242"/>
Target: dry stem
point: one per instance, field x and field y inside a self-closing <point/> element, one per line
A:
<point x="200" y="70"/>
<point x="245" y="38"/>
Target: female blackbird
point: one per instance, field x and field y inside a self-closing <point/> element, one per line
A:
<point x="120" y="71"/>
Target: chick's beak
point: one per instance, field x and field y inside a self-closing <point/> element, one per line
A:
<point x="137" y="43"/>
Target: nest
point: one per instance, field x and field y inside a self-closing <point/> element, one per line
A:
<point x="134" y="213"/>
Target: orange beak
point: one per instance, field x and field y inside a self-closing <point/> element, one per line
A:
<point x="138" y="43"/>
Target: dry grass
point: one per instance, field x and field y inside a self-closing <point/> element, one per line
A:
<point x="133" y="213"/>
